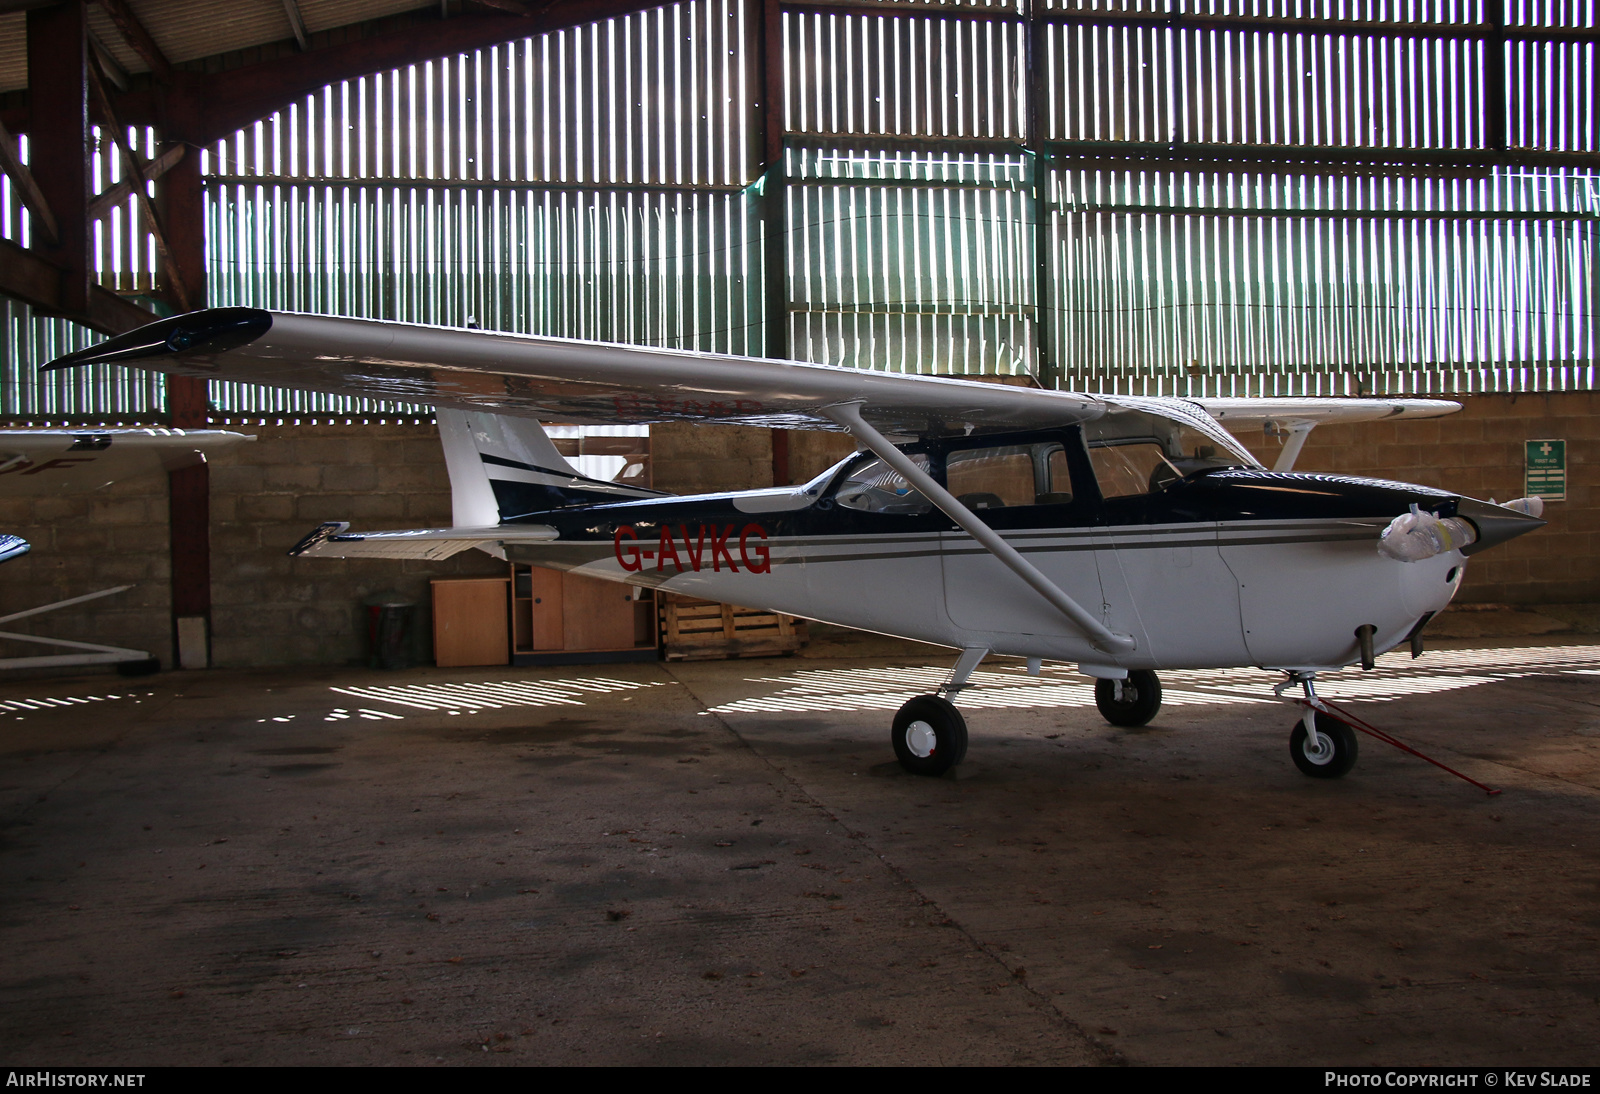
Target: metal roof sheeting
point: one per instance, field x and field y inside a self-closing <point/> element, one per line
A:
<point x="191" y="30"/>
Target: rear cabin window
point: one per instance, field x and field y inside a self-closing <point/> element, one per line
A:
<point x="875" y="487"/>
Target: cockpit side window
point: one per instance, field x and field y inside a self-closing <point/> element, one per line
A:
<point x="1131" y="467"/>
<point x="990" y="478"/>
<point x="1007" y="476"/>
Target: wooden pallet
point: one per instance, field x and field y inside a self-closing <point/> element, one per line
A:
<point x="704" y="630"/>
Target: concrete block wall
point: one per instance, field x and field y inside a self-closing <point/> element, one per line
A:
<point x="270" y="609"/>
<point x="695" y="459"/>
<point x="83" y="543"/>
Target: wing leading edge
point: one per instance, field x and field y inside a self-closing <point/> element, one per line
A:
<point x="563" y="380"/>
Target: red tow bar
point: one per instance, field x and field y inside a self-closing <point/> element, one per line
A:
<point x="1373" y="731"/>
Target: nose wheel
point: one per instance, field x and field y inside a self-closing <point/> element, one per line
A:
<point x="1130" y="702"/>
<point x="1322" y="746"/>
<point x="1331" y="755"/>
<point x="929" y="736"/>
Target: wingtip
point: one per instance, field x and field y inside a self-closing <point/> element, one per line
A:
<point x="214" y="330"/>
<point x="318" y="535"/>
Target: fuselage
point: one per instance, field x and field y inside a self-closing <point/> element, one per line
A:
<point x="1211" y="567"/>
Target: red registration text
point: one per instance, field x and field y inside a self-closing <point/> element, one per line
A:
<point x="709" y="546"/>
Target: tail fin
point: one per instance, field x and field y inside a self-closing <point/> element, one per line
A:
<point x="502" y="468"/>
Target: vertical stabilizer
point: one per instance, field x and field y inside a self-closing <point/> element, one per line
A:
<point x="502" y="468"/>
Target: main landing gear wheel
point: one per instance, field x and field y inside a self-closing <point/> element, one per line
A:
<point x="929" y="736"/>
<point x="1141" y="699"/>
<point x="1336" y="753"/>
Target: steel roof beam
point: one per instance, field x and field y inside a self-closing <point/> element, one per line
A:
<point x="297" y="24"/>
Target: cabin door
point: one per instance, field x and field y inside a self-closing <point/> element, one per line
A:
<point x="1025" y="493"/>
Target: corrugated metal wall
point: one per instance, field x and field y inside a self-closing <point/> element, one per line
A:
<point x="911" y="262"/>
<point x="1339" y="279"/>
<point x="123" y="252"/>
<point x="982" y="186"/>
<point x="1171" y="285"/>
<point x="590" y="183"/>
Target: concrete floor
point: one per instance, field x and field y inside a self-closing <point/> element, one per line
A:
<point x="719" y="863"/>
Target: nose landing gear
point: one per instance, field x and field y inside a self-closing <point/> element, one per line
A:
<point x="1333" y="753"/>
<point x="1320" y="745"/>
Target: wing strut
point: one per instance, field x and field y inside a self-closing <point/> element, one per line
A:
<point x="848" y="415"/>
<point x="1298" y="432"/>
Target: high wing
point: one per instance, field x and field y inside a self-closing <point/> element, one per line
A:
<point x="1294" y="419"/>
<point x="554" y="379"/>
<point x="1239" y="414"/>
<point x="562" y="380"/>
<point x="55" y="461"/>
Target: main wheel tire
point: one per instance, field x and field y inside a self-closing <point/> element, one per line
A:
<point x="929" y="736"/>
<point x="1141" y="699"/>
<point x="1336" y="756"/>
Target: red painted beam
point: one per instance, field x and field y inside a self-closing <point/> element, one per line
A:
<point x="58" y="102"/>
<point x="189" y="510"/>
<point x="188" y="406"/>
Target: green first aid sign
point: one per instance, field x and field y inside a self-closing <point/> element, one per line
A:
<point x="1547" y="470"/>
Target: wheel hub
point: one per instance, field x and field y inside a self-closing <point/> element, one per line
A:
<point x="921" y="739"/>
<point x="1319" y="752"/>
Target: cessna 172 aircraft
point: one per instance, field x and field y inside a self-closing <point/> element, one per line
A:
<point x="1124" y="534"/>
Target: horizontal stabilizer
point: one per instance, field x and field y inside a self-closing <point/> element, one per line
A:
<point x="331" y="540"/>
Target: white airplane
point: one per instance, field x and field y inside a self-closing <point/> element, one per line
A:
<point x="69" y="460"/>
<point x="51" y="462"/>
<point x="1123" y="534"/>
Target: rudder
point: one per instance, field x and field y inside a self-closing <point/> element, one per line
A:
<point x="502" y="468"/>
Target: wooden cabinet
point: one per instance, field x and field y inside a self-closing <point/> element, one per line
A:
<point x="565" y="618"/>
<point x="470" y="623"/>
